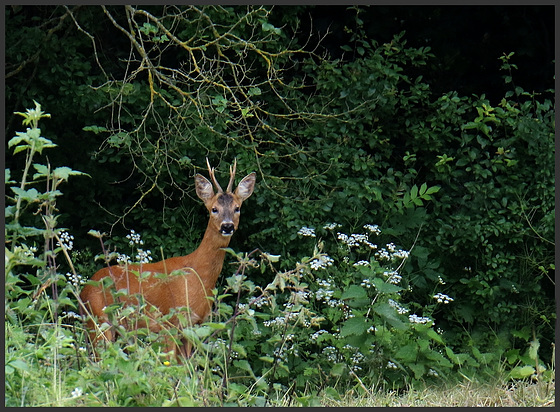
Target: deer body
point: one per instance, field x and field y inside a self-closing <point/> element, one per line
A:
<point x="191" y="278"/>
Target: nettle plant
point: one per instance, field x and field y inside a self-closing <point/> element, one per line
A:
<point x="39" y="297"/>
<point x="337" y="316"/>
<point x="368" y="328"/>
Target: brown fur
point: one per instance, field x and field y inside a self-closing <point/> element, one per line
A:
<point x="192" y="277"/>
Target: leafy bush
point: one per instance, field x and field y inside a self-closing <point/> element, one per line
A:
<point x="463" y="183"/>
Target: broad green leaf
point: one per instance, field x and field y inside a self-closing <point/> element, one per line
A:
<point x="354" y="326"/>
<point x="65" y="172"/>
<point x="389" y="314"/>
<point x="338" y="369"/>
<point x="384" y="287"/>
<point x="434" y="336"/>
<point x="29" y="195"/>
<point x="521" y="372"/>
<point x="407" y="353"/>
<point x="354" y="292"/>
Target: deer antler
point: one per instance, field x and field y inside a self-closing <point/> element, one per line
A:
<point x="231" y="175"/>
<point x="211" y="172"/>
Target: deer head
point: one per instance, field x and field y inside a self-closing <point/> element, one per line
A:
<point x="224" y="207"/>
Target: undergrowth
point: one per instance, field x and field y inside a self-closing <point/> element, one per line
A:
<point x="336" y="327"/>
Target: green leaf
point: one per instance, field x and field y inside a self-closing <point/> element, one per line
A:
<point x="432" y="334"/>
<point x="65" y="172"/>
<point x="255" y="91"/>
<point x="384" y="287"/>
<point x="244" y="365"/>
<point x="354" y="326"/>
<point x="42" y="170"/>
<point x="30" y="195"/>
<point x="458" y="358"/>
<point x="338" y="369"/>
<point x="389" y="314"/>
<point x="7" y="175"/>
<point x="521" y="372"/>
<point x="433" y="189"/>
<point x="16" y="364"/>
<point x="354" y="292"/>
<point x="419" y="369"/>
<point x="95" y="129"/>
<point x="407" y="353"/>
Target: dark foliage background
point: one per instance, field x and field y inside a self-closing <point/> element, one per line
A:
<point x="391" y="98"/>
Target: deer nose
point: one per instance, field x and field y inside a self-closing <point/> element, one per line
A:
<point x="227" y="229"/>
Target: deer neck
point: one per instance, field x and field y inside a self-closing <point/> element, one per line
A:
<point x="210" y="256"/>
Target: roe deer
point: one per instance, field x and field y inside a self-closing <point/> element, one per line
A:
<point x="194" y="276"/>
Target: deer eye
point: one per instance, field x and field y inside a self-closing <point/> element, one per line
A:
<point x="214" y="210"/>
<point x="237" y="209"/>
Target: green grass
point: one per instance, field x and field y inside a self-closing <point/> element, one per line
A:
<point x="143" y="379"/>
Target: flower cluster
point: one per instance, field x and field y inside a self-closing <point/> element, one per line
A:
<point x="321" y="262"/>
<point x="392" y="277"/>
<point x="134" y="238"/>
<point x="280" y="321"/>
<point x="414" y="318"/>
<point x="307" y="231"/>
<point x="361" y="263"/>
<point x="325" y="293"/>
<point x="123" y="259"/>
<point x="390" y="252"/>
<point x="143" y="256"/>
<point x="332" y="226"/>
<point x="76" y="393"/>
<point x="401" y="310"/>
<point x="367" y="283"/>
<point x="373" y="229"/>
<point x="315" y="335"/>
<point x="355" y="239"/>
<point x="66" y="240"/>
<point x="71" y="315"/>
<point x="331" y="353"/>
<point x="441" y="298"/>
<point x="75" y="279"/>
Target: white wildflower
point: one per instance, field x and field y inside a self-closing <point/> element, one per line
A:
<point x="75" y="279"/>
<point x="367" y="283"/>
<point x="442" y="298"/>
<point x="400" y="254"/>
<point x="123" y="259"/>
<point x="414" y="318"/>
<point x="373" y="229"/>
<point x="143" y="256"/>
<point x="332" y="226"/>
<point x="134" y="238"/>
<point x="66" y="240"/>
<point x="76" y="393"/>
<point x="400" y="309"/>
<point x="361" y="263"/>
<point x="307" y="231"/>
<point x="321" y="262"/>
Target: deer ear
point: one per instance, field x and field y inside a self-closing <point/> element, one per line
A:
<point x="246" y="186"/>
<point x="203" y="188"/>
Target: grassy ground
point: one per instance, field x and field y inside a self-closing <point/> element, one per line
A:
<point x="464" y="394"/>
